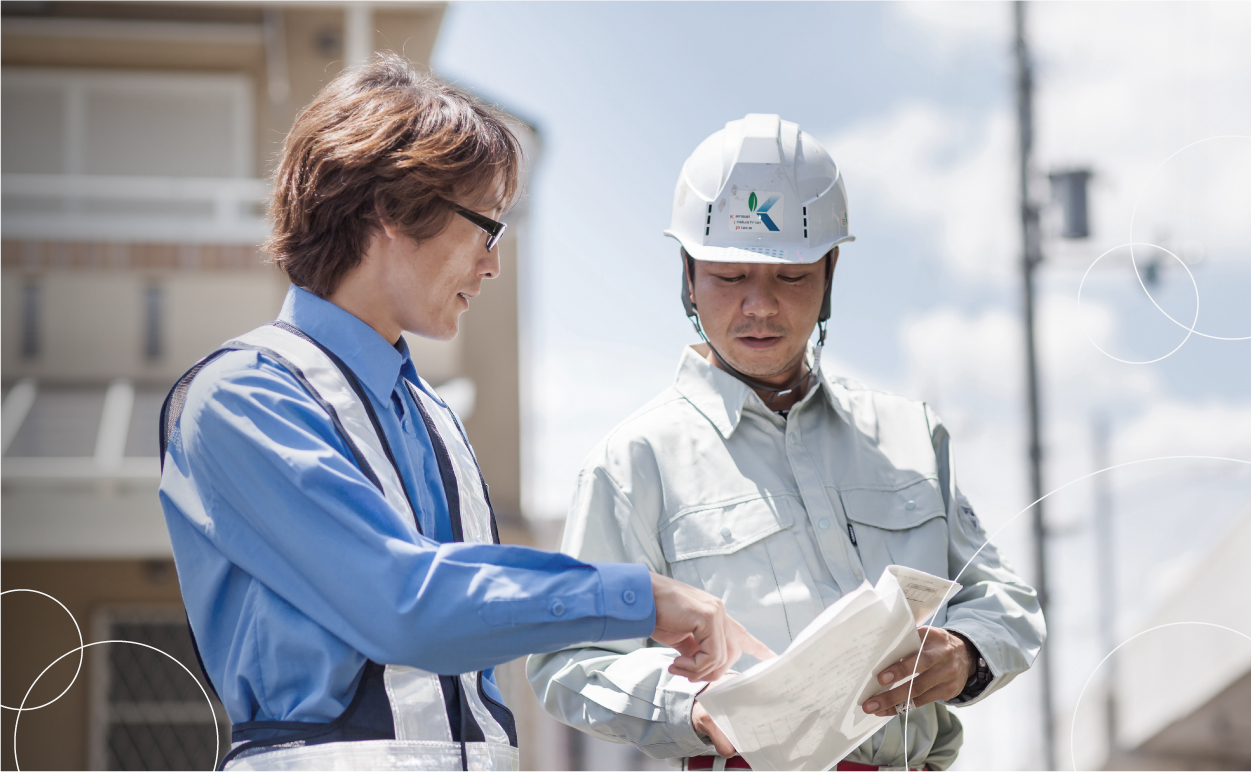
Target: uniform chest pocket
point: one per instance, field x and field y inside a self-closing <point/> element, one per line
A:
<point x="740" y="552"/>
<point x="720" y="547"/>
<point x="907" y="527"/>
<point x="725" y="529"/>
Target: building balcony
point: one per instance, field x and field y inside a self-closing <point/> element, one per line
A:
<point x="134" y="209"/>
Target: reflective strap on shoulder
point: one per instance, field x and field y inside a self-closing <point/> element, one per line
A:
<point x="330" y="386"/>
<point x="475" y="510"/>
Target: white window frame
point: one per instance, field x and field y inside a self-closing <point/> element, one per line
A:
<point x="74" y="86"/>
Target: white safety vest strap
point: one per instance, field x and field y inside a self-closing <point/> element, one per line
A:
<point x="475" y="512"/>
<point x="491" y="729"/>
<point x="307" y="362"/>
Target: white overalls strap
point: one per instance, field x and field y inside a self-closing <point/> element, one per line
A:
<point x="423" y="732"/>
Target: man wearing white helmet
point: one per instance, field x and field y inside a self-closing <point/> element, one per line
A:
<point x="778" y="487"/>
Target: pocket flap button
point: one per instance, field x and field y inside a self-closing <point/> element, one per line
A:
<point x="910" y="505"/>
<point x="725" y="532"/>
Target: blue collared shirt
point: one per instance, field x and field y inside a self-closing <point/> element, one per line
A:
<point x="295" y="570"/>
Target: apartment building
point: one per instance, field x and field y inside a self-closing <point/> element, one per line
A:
<point x="137" y="139"/>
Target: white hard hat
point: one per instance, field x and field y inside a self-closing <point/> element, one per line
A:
<point x="760" y="191"/>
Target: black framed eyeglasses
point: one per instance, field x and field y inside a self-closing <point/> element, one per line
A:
<point x="494" y="228"/>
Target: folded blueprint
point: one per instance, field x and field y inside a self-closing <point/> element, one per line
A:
<point x="801" y="710"/>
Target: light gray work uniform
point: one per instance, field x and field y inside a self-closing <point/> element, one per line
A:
<point x="779" y="517"/>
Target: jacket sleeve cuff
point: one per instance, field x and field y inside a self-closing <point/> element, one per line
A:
<point x="965" y="697"/>
<point x="629" y="610"/>
<point x="678" y="696"/>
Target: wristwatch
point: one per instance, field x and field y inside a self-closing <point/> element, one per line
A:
<point x="980" y="677"/>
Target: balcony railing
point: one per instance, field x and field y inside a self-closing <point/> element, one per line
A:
<point x="81" y="207"/>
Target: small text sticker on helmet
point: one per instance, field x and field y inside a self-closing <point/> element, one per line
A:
<point x="755" y="210"/>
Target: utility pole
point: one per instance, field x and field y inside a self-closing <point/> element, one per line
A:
<point x="1106" y="567"/>
<point x="1031" y="256"/>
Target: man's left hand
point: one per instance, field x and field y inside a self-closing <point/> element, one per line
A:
<point x="943" y="665"/>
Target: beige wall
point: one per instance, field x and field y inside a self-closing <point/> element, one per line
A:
<point x="93" y="313"/>
<point x="84" y="519"/>
<point x="92" y="321"/>
<point x="490" y="357"/>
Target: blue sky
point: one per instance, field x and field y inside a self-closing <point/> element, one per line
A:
<point x="915" y="103"/>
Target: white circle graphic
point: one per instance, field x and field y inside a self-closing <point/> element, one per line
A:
<point x="1133" y="216"/>
<point x="79" y="650"/>
<point x="1000" y="529"/>
<point x="1073" y="723"/>
<point x="1189" y="330"/>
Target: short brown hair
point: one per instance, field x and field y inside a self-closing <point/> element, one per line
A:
<point x="382" y="142"/>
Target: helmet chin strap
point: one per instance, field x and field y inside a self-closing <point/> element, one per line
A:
<point x="773" y="391"/>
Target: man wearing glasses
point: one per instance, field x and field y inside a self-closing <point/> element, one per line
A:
<point x="335" y="544"/>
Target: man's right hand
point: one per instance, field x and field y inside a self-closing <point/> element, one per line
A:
<point x="703" y="724"/>
<point x="695" y="623"/>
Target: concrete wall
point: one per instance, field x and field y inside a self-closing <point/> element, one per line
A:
<point x="1191" y="650"/>
<point x="489" y="356"/>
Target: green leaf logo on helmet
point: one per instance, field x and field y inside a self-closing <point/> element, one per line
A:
<point x="751" y="201"/>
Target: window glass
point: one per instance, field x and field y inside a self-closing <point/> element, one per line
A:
<point x="153" y="309"/>
<point x="30" y="319"/>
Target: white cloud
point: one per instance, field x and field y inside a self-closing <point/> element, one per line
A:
<point x="1123" y="87"/>
<point x="943" y="170"/>
<point x="945" y="29"/>
<point x="569" y="416"/>
<point x="1120" y="88"/>
<point x="1179" y="428"/>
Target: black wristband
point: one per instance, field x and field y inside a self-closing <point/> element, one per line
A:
<point x="979" y="677"/>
